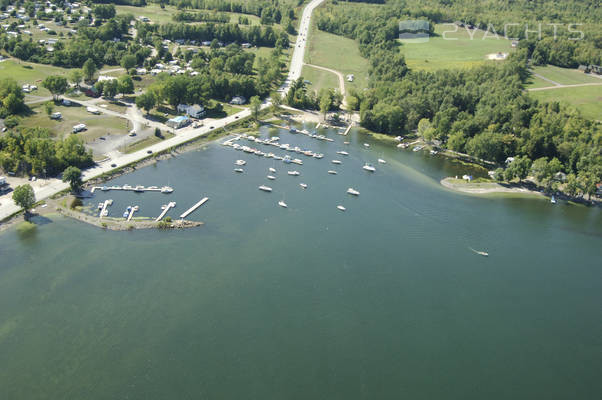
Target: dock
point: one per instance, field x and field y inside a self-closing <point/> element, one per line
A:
<point x="132" y="211"/>
<point x="194" y="207"/>
<point x="104" y="212"/>
<point x="347" y="130"/>
<point x="139" y="188"/>
<point x="166" y="208"/>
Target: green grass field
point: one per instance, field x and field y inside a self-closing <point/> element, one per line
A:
<point x="25" y="72"/>
<point x="587" y="99"/>
<point x="339" y="53"/>
<point x="452" y="49"/>
<point x="98" y="125"/>
<point x="319" y="78"/>
<point x="564" y="76"/>
<point x="152" y="11"/>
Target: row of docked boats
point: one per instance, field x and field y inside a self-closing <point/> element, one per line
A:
<point x="138" y="188"/>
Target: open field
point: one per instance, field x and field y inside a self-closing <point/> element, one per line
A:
<point x="98" y="125"/>
<point x="563" y="76"/>
<point x="152" y="11"/>
<point x="319" y="78"/>
<point x="587" y="99"/>
<point x="453" y="49"/>
<point x="26" y="72"/>
<point x="339" y="53"/>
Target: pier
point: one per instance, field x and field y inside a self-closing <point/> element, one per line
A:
<point x="347" y="130"/>
<point x="132" y="211"/>
<point x="166" y="208"/>
<point x="104" y="212"/>
<point x="139" y="188"/>
<point x="194" y="207"/>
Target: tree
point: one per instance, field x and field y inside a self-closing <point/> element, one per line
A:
<point x="89" y="69"/>
<point x="146" y="101"/>
<point x="125" y="84"/>
<point x="572" y="185"/>
<point x="519" y="168"/>
<point x="11" y="95"/>
<point x="24" y="197"/>
<point x="325" y="103"/>
<point x="425" y="129"/>
<point x="255" y="106"/>
<point x="276" y="99"/>
<point x="76" y="77"/>
<point x="73" y="175"/>
<point x="128" y="61"/>
<point x="48" y="107"/>
<point x="57" y="85"/>
<point x="110" y="88"/>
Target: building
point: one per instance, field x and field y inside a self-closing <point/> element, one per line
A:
<point x="196" y="111"/>
<point x="350" y="78"/>
<point x="178" y="122"/>
<point x="238" y="100"/>
<point x="182" y="108"/>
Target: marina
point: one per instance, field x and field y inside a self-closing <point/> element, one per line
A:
<point x="138" y="188"/>
<point x="165" y="209"/>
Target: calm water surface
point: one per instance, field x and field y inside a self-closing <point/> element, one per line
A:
<point x="383" y="301"/>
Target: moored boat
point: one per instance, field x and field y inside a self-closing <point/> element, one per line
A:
<point x="294" y="173"/>
<point x="265" y="188"/>
<point x="353" y="192"/>
<point x="340" y="207"/>
<point x="369" y="167"/>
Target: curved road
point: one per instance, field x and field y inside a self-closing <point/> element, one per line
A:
<point x="339" y="75"/>
<point x="8" y="207"/>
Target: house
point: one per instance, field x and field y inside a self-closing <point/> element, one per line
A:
<point x="238" y="100"/>
<point x="102" y="78"/>
<point x="560" y="176"/>
<point x="583" y="68"/>
<point x="141" y="71"/>
<point x="514" y="44"/>
<point x="92" y="92"/>
<point x="206" y="43"/>
<point x="196" y="111"/>
<point x="246" y="45"/>
<point x="79" y="128"/>
<point x="596" y="69"/>
<point x="178" y="122"/>
<point x="509" y="160"/>
<point x="182" y="108"/>
<point x="350" y="78"/>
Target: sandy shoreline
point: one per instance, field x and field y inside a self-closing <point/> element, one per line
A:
<point x="462" y="186"/>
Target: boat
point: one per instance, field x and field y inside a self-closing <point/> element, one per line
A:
<point x="353" y="192"/>
<point x="331" y="172"/>
<point x="104" y="188"/>
<point x="417" y="148"/>
<point x="343" y="153"/>
<point x="369" y="167"/>
<point x="297" y="161"/>
<point x="336" y="162"/>
<point x="166" y="189"/>
<point x="366" y="145"/>
<point x="318" y="155"/>
<point x="271" y="177"/>
<point x="240" y="162"/>
<point x="265" y="188"/>
<point x="287" y="159"/>
<point x="481" y="253"/>
<point x="303" y="185"/>
<point x="100" y="206"/>
<point x="553" y="200"/>
<point x="433" y="152"/>
<point x="340" y="207"/>
<point x="139" y="188"/>
<point x="239" y="170"/>
<point x="294" y="173"/>
<point x="346" y="142"/>
<point x="281" y="203"/>
<point x="381" y="161"/>
<point x="273" y="170"/>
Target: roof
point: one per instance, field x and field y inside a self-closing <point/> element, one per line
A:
<point x="179" y="118"/>
<point x="196" y="108"/>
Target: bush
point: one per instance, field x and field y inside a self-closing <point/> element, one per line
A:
<point x="168" y="219"/>
<point x="11" y="122"/>
<point x="77" y="202"/>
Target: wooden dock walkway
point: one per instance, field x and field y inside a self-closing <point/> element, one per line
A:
<point x="347" y="130"/>
<point x="194" y="207"/>
<point x="132" y="211"/>
<point x="166" y="208"/>
<point x="139" y="188"/>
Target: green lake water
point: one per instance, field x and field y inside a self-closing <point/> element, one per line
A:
<point x="383" y="301"/>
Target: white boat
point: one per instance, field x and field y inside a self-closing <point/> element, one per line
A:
<point x="353" y="192"/>
<point x="433" y="152"/>
<point x="336" y="162"/>
<point x="366" y="145"/>
<point x="344" y="153"/>
<point x="294" y="173"/>
<point x="553" y="200"/>
<point x="340" y="207"/>
<point x="281" y="203"/>
<point x="239" y="170"/>
<point x="271" y="177"/>
<point x="417" y="148"/>
<point x="381" y="161"/>
<point x="273" y="170"/>
<point x="265" y="188"/>
<point x="346" y="142"/>
<point x="240" y="162"/>
<point x="331" y="172"/>
<point x="369" y="167"/>
<point x="303" y="185"/>
<point x="166" y="189"/>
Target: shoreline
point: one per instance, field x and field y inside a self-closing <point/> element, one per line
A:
<point x="460" y="185"/>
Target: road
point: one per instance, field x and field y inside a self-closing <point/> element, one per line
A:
<point x="299" y="52"/>
<point x="53" y="186"/>
<point x="341" y="80"/>
<point x="559" y="86"/>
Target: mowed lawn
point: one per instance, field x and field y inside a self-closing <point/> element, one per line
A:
<point x="451" y="49"/>
<point x="587" y="99"/>
<point x="25" y="72"/>
<point x="98" y="125"/>
<point x="319" y="78"/>
<point x="152" y="11"/>
<point x="338" y="53"/>
<point x="564" y="76"/>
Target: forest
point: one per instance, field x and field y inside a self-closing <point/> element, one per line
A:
<point x="482" y="111"/>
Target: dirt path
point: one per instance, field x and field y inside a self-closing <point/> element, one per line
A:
<point x="341" y="81"/>
<point x="546" y="79"/>
<point x="559" y="86"/>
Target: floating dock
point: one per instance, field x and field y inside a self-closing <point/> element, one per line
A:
<point x="166" y="208"/>
<point x="132" y="211"/>
<point x="139" y="188"/>
<point x="347" y="130"/>
<point x="194" y="207"/>
<point x="104" y="212"/>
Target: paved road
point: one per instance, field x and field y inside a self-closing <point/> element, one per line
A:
<point x="8" y="207"/>
<point x="299" y="51"/>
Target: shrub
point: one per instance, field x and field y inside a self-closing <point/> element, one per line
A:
<point x="77" y="202"/>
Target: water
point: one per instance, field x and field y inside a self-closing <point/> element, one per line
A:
<point x="383" y="301"/>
